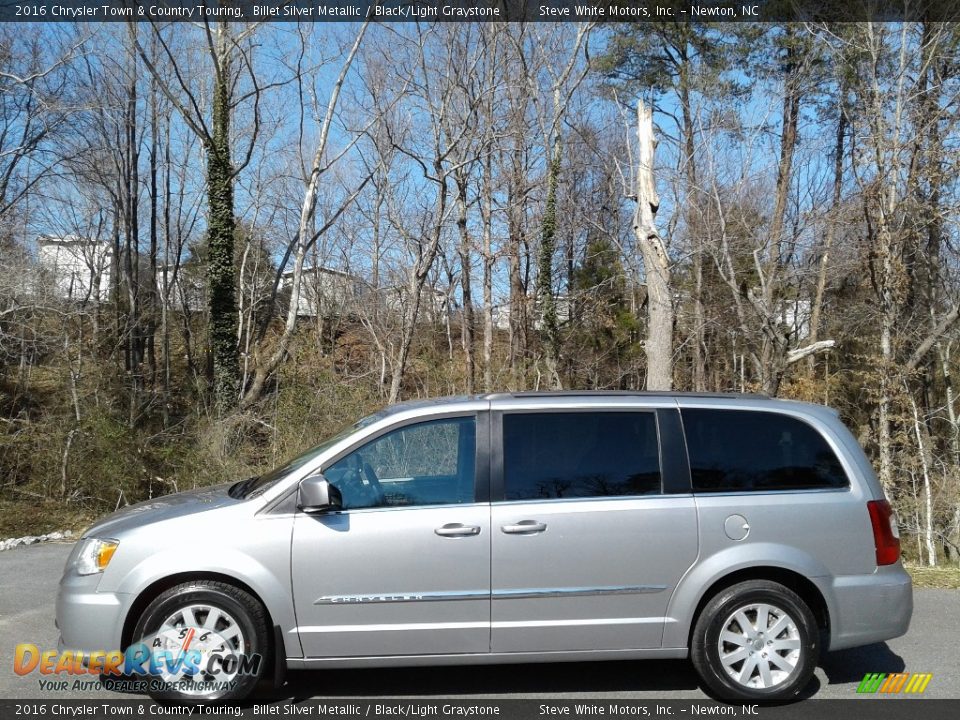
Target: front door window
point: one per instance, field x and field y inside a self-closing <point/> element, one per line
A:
<point x="429" y="463"/>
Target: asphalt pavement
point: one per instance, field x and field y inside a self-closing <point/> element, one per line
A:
<point x="28" y="583"/>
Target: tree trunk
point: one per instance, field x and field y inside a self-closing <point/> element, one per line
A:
<point x="698" y="369"/>
<point x="131" y="265"/>
<point x="410" y="315"/>
<point x="925" y="461"/>
<point x="151" y="319"/>
<point x="773" y="342"/>
<point x="220" y="274"/>
<point x="467" y="323"/>
<point x="549" y="326"/>
<point x="659" y="344"/>
<point x="487" y="213"/>
<point x="165" y="299"/>
<point x="887" y="321"/>
<point x="817" y="308"/>
<point x="518" y="291"/>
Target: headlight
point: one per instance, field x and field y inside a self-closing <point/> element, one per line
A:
<point x="94" y="555"/>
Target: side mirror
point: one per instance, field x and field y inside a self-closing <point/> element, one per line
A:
<point x="318" y="495"/>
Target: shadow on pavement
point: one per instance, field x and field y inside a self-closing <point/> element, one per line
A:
<point x="553" y="679"/>
<point x="666" y="676"/>
<point x="849" y="666"/>
<point x="499" y="680"/>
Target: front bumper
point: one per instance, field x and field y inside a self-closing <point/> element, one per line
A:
<point x="866" y="609"/>
<point x="88" y="620"/>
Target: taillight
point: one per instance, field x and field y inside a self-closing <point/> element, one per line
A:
<point x="886" y="534"/>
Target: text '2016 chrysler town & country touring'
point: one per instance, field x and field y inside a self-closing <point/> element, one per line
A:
<point x="745" y="533"/>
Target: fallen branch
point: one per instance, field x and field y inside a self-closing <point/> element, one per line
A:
<point x="800" y="353"/>
<point x="946" y="322"/>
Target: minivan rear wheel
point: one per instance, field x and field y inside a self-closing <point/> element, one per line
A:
<point x="209" y="642"/>
<point x="756" y="640"/>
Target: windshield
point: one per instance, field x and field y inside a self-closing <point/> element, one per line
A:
<point x="259" y="483"/>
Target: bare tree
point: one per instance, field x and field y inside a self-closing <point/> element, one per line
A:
<point x="656" y="261"/>
<point x="307" y="232"/>
<point x="33" y="108"/>
<point x="230" y="55"/>
<point x="562" y="83"/>
<point x="437" y="156"/>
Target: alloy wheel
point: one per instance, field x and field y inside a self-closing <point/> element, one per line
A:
<point x="211" y="631"/>
<point x="760" y="646"/>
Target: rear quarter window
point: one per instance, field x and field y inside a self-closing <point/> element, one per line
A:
<point x="741" y="450"/>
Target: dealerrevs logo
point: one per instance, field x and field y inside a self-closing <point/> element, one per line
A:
<point x="188" y="659"/>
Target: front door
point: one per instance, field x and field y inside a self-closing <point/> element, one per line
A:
<point x="586" y="547"/>
<point x="404" y="569"/>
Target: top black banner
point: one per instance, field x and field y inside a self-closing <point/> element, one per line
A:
<point x="388" y="11"/>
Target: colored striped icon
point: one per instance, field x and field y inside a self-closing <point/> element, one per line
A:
<point x="892" y="683"/>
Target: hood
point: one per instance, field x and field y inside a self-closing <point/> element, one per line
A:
<point x="162" y="508"/>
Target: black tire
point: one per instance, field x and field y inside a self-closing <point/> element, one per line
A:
<point x="751" y="596"/>
<point x="249" y="614"/>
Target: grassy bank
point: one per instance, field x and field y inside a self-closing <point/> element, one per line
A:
<point x="18" y="519"/>
<point x="935" y="577"/>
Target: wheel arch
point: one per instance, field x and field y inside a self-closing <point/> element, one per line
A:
<point x="157" y="587"/>
<point x="798" y="583"/>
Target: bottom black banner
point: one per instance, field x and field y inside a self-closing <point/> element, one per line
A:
<point x="865" y="708"/>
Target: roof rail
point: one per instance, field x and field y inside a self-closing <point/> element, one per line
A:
<point x="620" y="393"/>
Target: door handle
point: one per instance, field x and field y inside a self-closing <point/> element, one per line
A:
<point x="457" y="530"/>
<point x="525" y="527"/>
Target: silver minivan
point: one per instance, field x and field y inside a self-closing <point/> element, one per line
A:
<point x="745" y="533"/>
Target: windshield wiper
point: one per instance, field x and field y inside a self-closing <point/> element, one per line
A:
<point x="239" y="489"/>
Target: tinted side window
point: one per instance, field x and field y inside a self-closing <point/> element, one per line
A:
<point x="734" y="450"/>
<point x="430" y="463"/>
<point x="580" y="454"/>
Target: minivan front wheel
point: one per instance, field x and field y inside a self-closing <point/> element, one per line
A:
<point x="201" y="641"/>
<point x="756" y="640"/>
